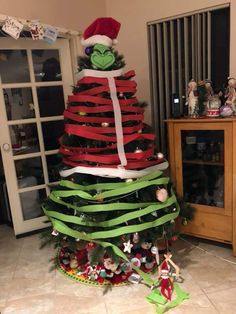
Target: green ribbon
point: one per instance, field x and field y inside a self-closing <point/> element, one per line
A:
<point x="113" y="222"/>
<point x="115" y="227"/>
<point x="115" y="192"/>
<point x="101" y="207"/>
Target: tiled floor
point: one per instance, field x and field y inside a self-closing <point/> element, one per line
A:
<point x="28" y="287"/>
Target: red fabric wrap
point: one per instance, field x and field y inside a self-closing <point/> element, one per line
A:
<point x="149" y="137"/>
<point x="107" y="159"/>
<point x="89" y="119"/>
<point x="97" y="104"/>
<point x="80" y="129"/>
<point x="100" y="109"/>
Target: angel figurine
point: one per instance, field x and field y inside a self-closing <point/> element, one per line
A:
<point x="192" y="99"/>
<point x="230" y="93"/>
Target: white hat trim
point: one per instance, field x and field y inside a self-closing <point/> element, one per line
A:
<point x="98" y="39"/>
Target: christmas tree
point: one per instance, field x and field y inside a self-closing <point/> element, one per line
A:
<point x="113" y="205"/>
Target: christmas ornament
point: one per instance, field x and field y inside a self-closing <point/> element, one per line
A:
<point x="127" y="246"/>
<point x="90" y="246"/>
<point x="88" y="50"/>
<point x="129" y="180"/>
<point x="99" y="199"/>
<point x="135" y="237"/>
<point x="103" y="31"/>
<point x="154" y="249"/>
<point x="105" y="124"/>
<point x="55" y="232"/>
<point x="160" y="155"/>
<point x="82" y="113"/>
<point x="149" y="264"/>
<point x="138" y="150"/>
<point x="134" y="278"/>
<point x="174" y="238"/>
<point x="136" y="262"/>
<point x="155" y="252"/>
<point x="102" y="57"/>
<point x="161" y="195"/>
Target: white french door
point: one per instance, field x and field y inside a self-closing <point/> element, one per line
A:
<point x="35" y="79"/>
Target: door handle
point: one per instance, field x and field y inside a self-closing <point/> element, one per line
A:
<point x="6" y="147"/>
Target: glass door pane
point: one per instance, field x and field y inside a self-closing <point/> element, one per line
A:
<point x="46" y="64"/>
<point x="203" y="167"/>
<point x="19" y="103"/>
<point x="14" y="66"/>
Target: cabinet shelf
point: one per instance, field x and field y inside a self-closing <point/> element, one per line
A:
<point x="203" y="162"/>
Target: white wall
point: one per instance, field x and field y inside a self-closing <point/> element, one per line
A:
<point x="71" y="14"/>
<point x="134" y="15"/>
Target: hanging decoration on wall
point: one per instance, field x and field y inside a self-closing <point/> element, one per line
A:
<point x="17" y="27"/>
<point x="12" y="27"/>
<point x="36" y="30"/>
<point x="50" y="35"/>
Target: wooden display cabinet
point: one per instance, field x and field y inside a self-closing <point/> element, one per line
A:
<point x="202" y="156"/>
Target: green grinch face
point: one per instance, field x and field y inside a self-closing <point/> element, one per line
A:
<point x="102" y="57"/>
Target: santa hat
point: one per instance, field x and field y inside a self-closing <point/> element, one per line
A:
<point x="103" y="30"/>
<point x="165" y="270"/>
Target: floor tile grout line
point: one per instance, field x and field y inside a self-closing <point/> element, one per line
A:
<point x="213" y="304"/>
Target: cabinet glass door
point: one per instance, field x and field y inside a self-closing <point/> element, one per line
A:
<point x="203" y="167"/>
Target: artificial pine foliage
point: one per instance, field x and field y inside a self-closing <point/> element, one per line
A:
<point x="107" y="198"/>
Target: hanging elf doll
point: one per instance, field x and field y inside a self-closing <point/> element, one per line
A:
<point x="166" y="276"/>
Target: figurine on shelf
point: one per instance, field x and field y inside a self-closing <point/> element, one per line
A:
<point x="214" y="106"/>
<point x="209" y="89"/>
<point x="230" y="93"/>
<point x="192" y="99"/>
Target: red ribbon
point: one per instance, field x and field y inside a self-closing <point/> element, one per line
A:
<point x="89" y="119"/>
<point x="128" y="139"/>
<point x="103" y="81"/>
<point x="87" y="156"/>
<point x="77" y="130"/>
<point x="107" y="159"/>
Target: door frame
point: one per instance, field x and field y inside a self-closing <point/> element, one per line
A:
<point x="22" y="226"/>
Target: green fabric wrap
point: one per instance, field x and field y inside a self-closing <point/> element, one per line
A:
<point x="123" y="189"/>
<point x="115" y="227"/>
